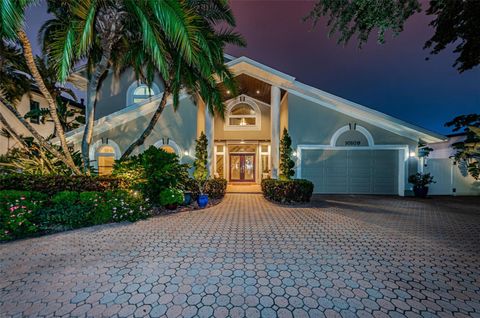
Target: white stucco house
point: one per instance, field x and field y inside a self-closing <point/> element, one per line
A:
<point x="341" y="146"/>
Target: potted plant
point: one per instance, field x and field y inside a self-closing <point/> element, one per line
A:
<point x="202" y="199"/>
<point x="170" y="198"/>
<point x="201" y="171"/>
<point x="420" y="183"/>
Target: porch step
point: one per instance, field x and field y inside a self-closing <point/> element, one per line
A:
<point x="244" y="188"/>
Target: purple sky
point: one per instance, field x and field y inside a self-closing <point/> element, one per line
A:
<point x="393" y="78"/>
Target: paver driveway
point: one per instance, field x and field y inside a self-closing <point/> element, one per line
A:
<point x="353" y="256"/>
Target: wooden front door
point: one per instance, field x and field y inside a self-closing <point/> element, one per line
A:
<point x="242" y="167"/>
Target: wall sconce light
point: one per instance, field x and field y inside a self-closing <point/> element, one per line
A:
<point x="186" y="153"/>
<point x="294" y="153"/>
<point x="413" y="154"/>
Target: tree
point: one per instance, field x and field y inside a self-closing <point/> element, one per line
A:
<point x="468" y="150"/>
<point x="201" y="158"/>
<point x="286" y="162"/>
<point x="455" y="23"/>
<point x="189" y="76"/>
<point x="11" y="29"/>
<point x="99" y="30"/>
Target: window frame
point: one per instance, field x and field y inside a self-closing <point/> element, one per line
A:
<point x="243" y="100"/>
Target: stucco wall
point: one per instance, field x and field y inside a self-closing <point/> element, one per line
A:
<point x="179" y="126"/>
<point x="112" y="95"/>
<point x="263" y="134"/>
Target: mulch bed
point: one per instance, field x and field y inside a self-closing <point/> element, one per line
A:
<point x="185" y="208"/>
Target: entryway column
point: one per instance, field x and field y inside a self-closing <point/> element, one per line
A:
<point x="275" y="126"/>
<point x="211" y="144"/>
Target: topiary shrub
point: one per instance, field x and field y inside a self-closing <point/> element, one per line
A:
<point x="287" y="191"/>
<point x="215" y="188"/>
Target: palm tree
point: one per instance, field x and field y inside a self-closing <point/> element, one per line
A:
<point x="11" y="28"/>
<point x="198" y="79"/>
<point x="93" y="29"/>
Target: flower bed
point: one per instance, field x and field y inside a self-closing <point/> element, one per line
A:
<point x="287" y="191"/>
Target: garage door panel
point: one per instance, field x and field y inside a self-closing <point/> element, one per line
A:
<point x="352" y="171"/>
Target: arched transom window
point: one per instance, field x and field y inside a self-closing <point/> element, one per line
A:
<point x="243" y="114"/>
<point x="139" y="93"/>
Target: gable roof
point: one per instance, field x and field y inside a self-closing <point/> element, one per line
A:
<point x="245" y="65"/>
<point x="290" y="84"/>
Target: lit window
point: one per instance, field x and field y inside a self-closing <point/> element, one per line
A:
<point x="105" y="160"/>
<point x="142" y="93"/>
<point x="242" y="115"/>
<point x="168" y="149"/>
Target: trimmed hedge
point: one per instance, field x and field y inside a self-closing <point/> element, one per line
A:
<point x="287" y="191"/>
<point x="53" y="184"/>
<point x="216" y="188"/>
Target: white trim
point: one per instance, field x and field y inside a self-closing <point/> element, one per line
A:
<point x="171" y="143"/>
<point x="344" y="129"/>
<point x="402" y="158"/>
<point x="92" y="152"/>
<point x="246" y="100"/>
<point x="131" y="89"/>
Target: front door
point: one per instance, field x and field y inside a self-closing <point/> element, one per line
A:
<point x="242" y="167"/>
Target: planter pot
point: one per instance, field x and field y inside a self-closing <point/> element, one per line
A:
<point x="171" y="206"/>
<point x="202" y="200"/>
<point x="187" y="198"/>
<point x="420" y="192"/>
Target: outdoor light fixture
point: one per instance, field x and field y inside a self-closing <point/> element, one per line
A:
<point x="413" y="154"/>
<point x="294" y="153"/>
<point x="186" y="153"/>
<point x="258" y="92"/>
<point x="228" y="92"/>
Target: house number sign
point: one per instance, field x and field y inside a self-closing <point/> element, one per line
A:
<point x="353" y="143"/>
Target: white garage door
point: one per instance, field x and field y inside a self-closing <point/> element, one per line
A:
<point x="351" y="171"/>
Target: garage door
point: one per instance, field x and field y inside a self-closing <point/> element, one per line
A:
<point x="352" y="171"/>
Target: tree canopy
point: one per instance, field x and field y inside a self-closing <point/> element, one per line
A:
<point x="455" y="23"/>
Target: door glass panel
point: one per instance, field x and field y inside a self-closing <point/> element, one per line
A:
<point x="220" y="166"/>
<point x="236" y="167"/>
<point x="249" y="167"/>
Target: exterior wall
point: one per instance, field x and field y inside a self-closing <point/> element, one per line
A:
<point x="313" y="124"/>
<point x="263" y="134"/>
<point x="112" y="95"/>
<point x="24" y="107"/>
<point x="180" y="127"/>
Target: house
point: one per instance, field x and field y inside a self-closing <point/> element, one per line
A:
<point x="451" y="177"/>
<point x="33" y="100"/>
<point x="341" y="146"/>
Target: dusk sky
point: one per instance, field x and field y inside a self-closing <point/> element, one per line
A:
<point x="393" y="78"/>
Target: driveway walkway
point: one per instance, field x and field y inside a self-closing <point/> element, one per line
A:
<point x="348" y="256"/>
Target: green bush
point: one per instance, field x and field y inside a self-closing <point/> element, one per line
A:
<point x="128" y="206"/>
<point x="19" y="213"/>
<point x="215" y="188"/>
<point x="53" y="184"/>
<point x="287" y="191"/>
<point x="171" y="196"/>
<point x="66" y="211"/>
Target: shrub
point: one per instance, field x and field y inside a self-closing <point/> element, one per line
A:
<point x="171" y="196"/>
<point x="215" y="188"/>
<point x="287" y="191"/>
<point x="52" y="184"/>
<point x="66" y="211"/>
<point x="128" y="206"/>
<point x="19" y="213"/>
<point x="421" y="180"/>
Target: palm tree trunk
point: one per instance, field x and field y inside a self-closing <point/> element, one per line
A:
<point x="12" y="132"/>
<point x="148" y="130"/>
<point x="52" y="105"/>
<point x="43" y="143"/>
<point x="90" y="106"/>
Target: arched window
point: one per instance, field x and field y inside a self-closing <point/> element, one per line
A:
<point x="105" y="160"/>
<point x="168" y="145"/>
<point x="243" y="114"/>
<point x="168" y="149"/>
<point x="138" y="93"/>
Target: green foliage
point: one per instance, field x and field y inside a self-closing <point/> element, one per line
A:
<point x="171" y="197"/>
<point x="52" y="184"/>
<point x="468" y="150"/>
<point x="162" y="170"/>
<point x="215" y="188"/>
<point x="201" y="159"/>
<point x="286" y="162"/>
<point x="128" y="206"/>
<point x="455" y="23"/>
<point x="421" y="180"/>
<point x="287" y="191"/>
<point x="19" y="213"/>
<point x="132" y="171"/>
<point x="423" y="149"/>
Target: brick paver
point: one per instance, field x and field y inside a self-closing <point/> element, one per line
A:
<point x="344" y="256"/>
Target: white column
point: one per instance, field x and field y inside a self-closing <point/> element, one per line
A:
<point x="211" y="144"/>
<point x="275" y="126"/>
